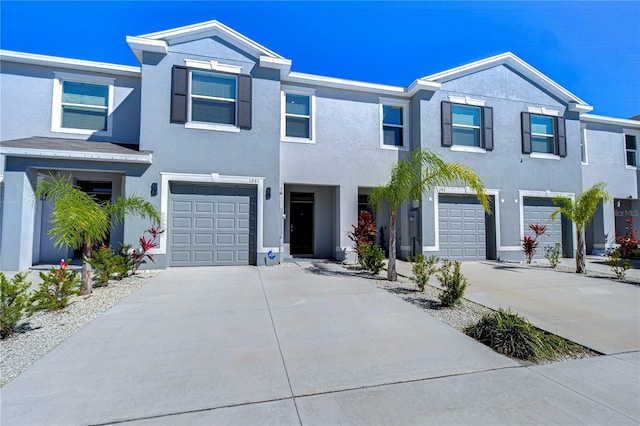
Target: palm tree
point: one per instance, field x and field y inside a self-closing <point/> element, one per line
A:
<point x="423" y="171"/>
<point x="80" y="221"/>
<point x="581" y="212"/>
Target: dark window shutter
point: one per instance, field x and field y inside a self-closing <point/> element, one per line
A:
<point x="561" y="137"/>
<point x="179" y="87"/>
<point x="244" y="101"/>
<point x="447" y="131"/>
<point x="487" y="127"/>
<point x="526" y="133"/>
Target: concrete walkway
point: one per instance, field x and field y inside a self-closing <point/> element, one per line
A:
<point x="290" y="345"/>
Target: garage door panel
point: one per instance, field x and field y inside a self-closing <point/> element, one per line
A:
<point x="212" y="225"/>
<point x="461" y="228"/>
<point x="538" y="210"/>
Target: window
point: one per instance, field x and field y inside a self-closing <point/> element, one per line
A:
<point x="82" y="104"/>
<point x="467" y="127"/>
<point x="631" y="146"/>
<point x="213" y="98"/>
<point x="210" y="100"/>
<point x="394" y="124"/>
<point x="543" y="134"/>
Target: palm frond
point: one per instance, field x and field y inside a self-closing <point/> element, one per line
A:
<point x="133" y="205"/>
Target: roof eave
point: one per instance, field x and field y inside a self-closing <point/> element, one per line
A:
<point x="146" y="158"/>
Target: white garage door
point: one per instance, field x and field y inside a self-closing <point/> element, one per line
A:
<point x="212" y="225"/>
<point x="538" y="210"/>
<point x="462" y="228"/>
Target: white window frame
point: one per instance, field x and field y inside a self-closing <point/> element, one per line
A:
<point x="56" y="111"/>
<point x="553" y="136"/>
<point x="205" y="125"/>
<point x="625" y="133"/>
<point x="466" y="126"/>
<point x="303" y="91"/>
<point x="404" y="104"/>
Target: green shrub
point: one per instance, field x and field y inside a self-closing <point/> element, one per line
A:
<point x="103" y="263"/>
<point x="371" y="258"/>
<point x="510" y="334"/>
<point x="422" y="269"/>
<point x="452" y="281"/>
<point x="123" y="261"/>
<point x="552" y="254"/>
<point x="56" y="288"/>
<point x="13" y="301"/>
<point x="618" y="266"/>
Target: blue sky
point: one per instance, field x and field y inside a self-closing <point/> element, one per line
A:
<point x="590" y="48"/>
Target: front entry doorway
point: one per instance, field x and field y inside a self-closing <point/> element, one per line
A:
<point x="301" y="223"/>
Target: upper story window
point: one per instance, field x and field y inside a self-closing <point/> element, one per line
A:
<point x="467" y="127"/>
<point x="543" y="134"/>
<point x="213" y="98"/>
<point x="82" y="104"/>
<point x="631" y="149"/>
<point x="298" y="109"/>
<point x="203" y="98"/>
<point x="394" y="115"/>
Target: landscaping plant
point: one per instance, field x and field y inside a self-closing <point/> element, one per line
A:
<point x="452" y="281"/>
<point x="580" y="211"/>
<point x="56" y="288"/>
<point x="618" y="266"/>
<point x="80" y="221"/>
<point x="14" y="300"/>
<point x="103" y="263"/>
<point x="372" y="257"/>
<point x="138" y="256"/>
<point x="529" y="245"/>
<point x="364" y="233"/>
<point x="628" y="243"/>
<point x="510" y="334"/>
<point x="423" y="171"/>
<point x="422" y="269"/>
<point x="552" y="254"/>
<point x="123" y="261"/>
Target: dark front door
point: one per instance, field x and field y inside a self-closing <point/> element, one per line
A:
<point x="301" y="223"/>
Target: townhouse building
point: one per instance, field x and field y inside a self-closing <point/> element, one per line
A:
<point x="249" y="161"/>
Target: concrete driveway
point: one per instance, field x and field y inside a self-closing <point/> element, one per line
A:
<point x="290" y="345"/>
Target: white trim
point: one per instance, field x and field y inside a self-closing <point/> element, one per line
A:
<point x="198" y="125"/>
<point x="519" y="65"/>
<point x="213" y="66"/>
<point x="464" y="148"/>
<point x="2" y="167"/>
<point x="297" y="90"/>
<point x="584" y="147"/>
<point x="544" y="156"/>
<point x="208" y="29"/>
<point x="73" y="64"/>
<point x="636" y="134"/>
<point x="140" y="44"/>
<point x="592" y="118"/>
<point x="466" y="100"/>
<point x="406" y="129"/>
<point x="543" y="111"/>
<point x="213" y="178"/>
<point x="579" y="108"/>
<point x="56" y="104"/>
<point x="524" y="193"/>
<point x="284" y="65"/>
<point x="76" y="155"/>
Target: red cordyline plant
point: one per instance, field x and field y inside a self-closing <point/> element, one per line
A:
<point x="529" y="244"/>
<point x="146" y="244"/>
<point x="364" y="232"/>
<point x="628" y="243"/>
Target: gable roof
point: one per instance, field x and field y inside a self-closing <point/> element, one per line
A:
<point x="573" y="102"/>
<point x="160" y="41"/>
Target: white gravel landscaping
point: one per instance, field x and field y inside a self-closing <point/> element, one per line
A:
<point x="43" y="331"/>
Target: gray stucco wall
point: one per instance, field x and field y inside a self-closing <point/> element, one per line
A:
<point x="252" y="153"/>
<point x="505" y="168"/>
<point x="29" y="91"/>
